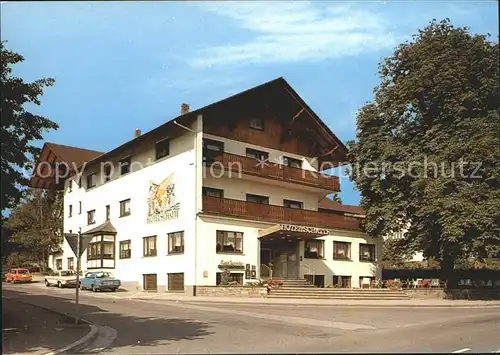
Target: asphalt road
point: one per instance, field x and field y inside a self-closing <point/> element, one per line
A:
<point x="28" y="329"/>
<point x="180" y="327"/>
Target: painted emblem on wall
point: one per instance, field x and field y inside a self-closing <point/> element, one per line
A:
<point x="162" y="204"/>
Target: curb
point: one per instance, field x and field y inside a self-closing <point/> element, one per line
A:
<point x="77" y="345"/>
<point x="193" y="301"/>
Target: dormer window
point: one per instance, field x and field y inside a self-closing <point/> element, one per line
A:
<point x="125" y="165"/>
<point x="257" y="123"/>
<point x="91" y="180"/>
<point x="107" y="172"/>
<point x="162" y="148"/>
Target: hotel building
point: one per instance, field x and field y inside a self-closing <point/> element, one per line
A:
<point x="237" y="184"/>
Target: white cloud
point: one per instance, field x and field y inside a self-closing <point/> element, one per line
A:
<point x="295" y="31"/>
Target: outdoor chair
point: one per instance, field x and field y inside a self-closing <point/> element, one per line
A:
<point x="435" y="283"/>
<point x="365" y="282"/>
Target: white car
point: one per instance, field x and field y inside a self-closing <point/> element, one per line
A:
<point x="61" y="278"/>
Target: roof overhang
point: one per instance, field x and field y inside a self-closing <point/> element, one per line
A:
<point x="278" y="98"/>
<point x="105" y="229"/>
<point x="57" y="162"/>
<point x="293" y="230"/>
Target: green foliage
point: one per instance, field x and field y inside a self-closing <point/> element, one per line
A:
<point x="19" y="127"/>
<point x="437" y="103"/>
<point x="37" y="224"/>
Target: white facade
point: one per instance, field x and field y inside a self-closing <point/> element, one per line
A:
<point x="199" y="260"/>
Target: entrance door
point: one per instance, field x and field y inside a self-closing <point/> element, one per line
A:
<point x="284" y="256"/>
<point x="285" y="264"/>
<point x="176" y="281"/>
<point x="292" y="265"/>
<point x="150" y="282"/>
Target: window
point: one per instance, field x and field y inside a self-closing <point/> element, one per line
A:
<point x="91" y="180"/>
<point x="229" y="242"/>
<point x="313" y="249"/>
<point x="258" y="199"/>
<point x="162" y="148"/>
<point x="341" y="250"/>
<point x="80" y="182"/>
<point x="233" y="277"/>
<point x="211" y="149"/>
<point x="367" y="252"/>
<point x="125" y="208"/>
<point x="124" y="165"/>
<point x="108" y="212"/>
<point x="209" y="191"/>
<point x="70" y="213"/>
<point x="292" y="163"/>
<point x="70" y="185"/>
<point x="214" y="146"/>
<point x="257" y="154"/>
<point x="292" y="204"/>
<point x="71" y="263"/>
<point x="59" y="264"/>
<point x="80" y="207"/>
<point x="101" y="248"/>
<point x="257" y="123"/>
<point x="149" y="246"/>
<point x="125" y="251"/>
<point x="107" y="172"/>
<point x="176" y="243"/>
<point x="91" y="217"/>
<point x="342" y="281"/>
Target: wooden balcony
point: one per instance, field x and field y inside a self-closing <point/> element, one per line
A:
<point x="277" y="214"/>
<point x="249" y="166"/>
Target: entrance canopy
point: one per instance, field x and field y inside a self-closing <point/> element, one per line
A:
<point x="292" y="230"/>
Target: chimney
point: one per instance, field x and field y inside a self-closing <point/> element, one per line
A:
<point x="184" y="108"/>
<point x="137" y="133"/>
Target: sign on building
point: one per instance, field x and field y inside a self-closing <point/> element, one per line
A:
<point x="162" y="203"/>
<point x="304" y="229"/>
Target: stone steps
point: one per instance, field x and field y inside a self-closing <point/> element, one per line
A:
<point x="302" y="289"/>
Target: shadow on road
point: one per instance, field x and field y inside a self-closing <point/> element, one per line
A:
<point x="133" y="331"/>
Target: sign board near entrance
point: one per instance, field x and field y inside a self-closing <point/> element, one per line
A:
<point x="304" y="229"/>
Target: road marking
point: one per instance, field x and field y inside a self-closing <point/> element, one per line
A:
<point x="460" y="351"/>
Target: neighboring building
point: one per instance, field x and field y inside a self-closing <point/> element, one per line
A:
<point x="234" y="183"/>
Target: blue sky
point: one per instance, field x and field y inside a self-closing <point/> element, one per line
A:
<point x="125" y="65"/>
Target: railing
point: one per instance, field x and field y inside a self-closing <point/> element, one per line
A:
<point x="266" y="271"/>
<point x="244" y="165"/>
<point x="312" y="271"/>
<point x="278" y="214"/>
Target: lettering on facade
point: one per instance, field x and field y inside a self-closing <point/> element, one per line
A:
<point x="162" y="204"/>
<point x="304" y="229"/>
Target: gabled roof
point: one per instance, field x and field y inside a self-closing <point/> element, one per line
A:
<point x="334" y="206"/>
<point x="44" y="173"/>
<point x="105" y="228"/>
<point x="283" y="97"/>
<point x="68" y="153"/>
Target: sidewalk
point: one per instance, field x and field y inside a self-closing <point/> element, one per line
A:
<point x="169" y="297"/>
<point x="29" y="329"/>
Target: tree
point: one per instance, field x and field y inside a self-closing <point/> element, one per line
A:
<point x="37" y="224"/>
<point x="428" y="146"/>
<point x="19" y="127"/>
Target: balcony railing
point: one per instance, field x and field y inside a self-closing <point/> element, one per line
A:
<point x="277" y="214"/>
<point x="249" y="166"/>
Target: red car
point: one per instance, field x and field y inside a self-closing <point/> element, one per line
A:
<point x="18" y="275"/>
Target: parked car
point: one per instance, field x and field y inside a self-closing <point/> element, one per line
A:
<point x="18" y="275"/>
<point x="100" y="280"/>
<point x="61" y="278"/>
